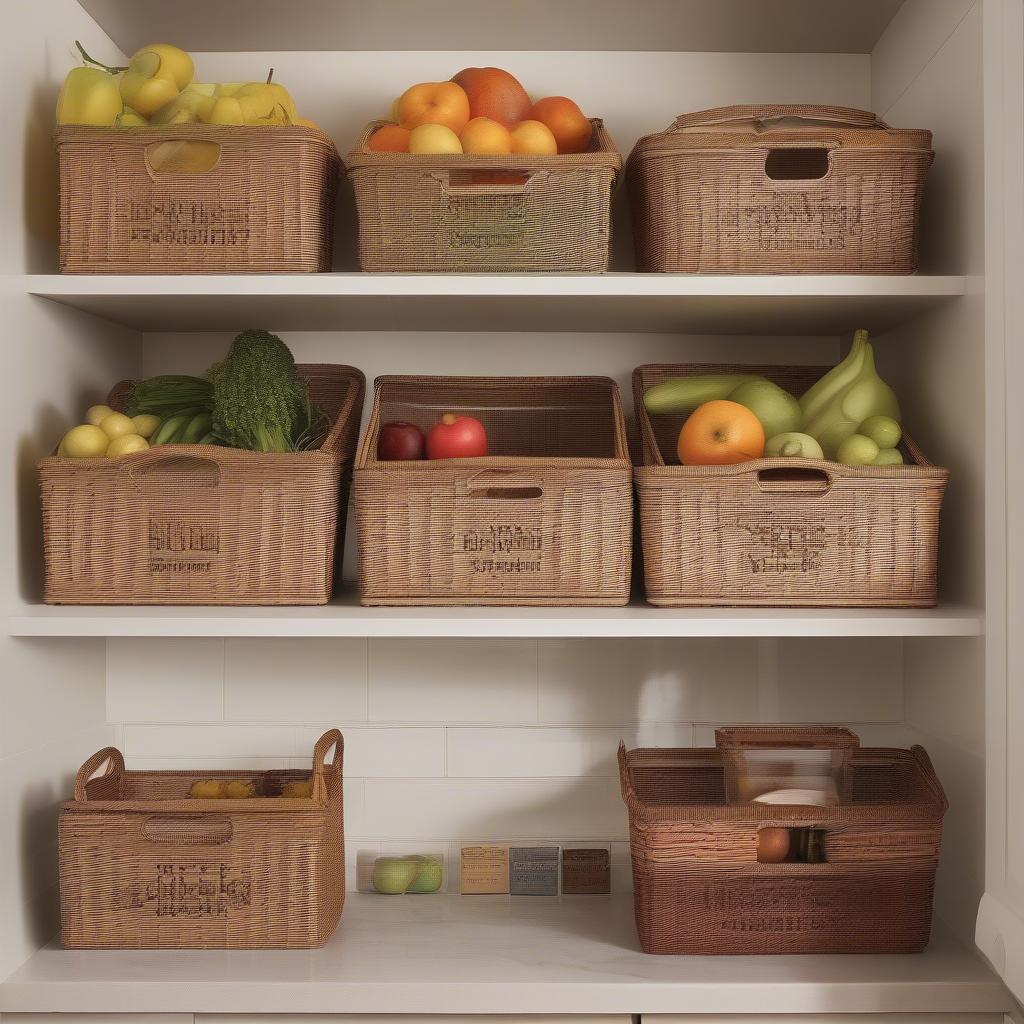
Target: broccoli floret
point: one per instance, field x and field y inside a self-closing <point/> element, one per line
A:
<point x="257" y="396"/>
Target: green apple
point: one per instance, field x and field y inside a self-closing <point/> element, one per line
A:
<point x="832" y="437"/>
<point x="857" y="450"/>
<point x="889" y="457"/>
<point x="393" y="875"/>
<point x="778" y="411"/>
<point x="429" y="875"/>
<point x="883" y="430"/>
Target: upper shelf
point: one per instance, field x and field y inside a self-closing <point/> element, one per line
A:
<point x="742" y="26"/>
<point x="656" y="303"/>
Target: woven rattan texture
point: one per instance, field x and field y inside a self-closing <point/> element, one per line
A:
<point x="699" y="889"/>
<point x="783" y="532"/>
<point x="545" y="519"/>
<point x="778" y="190"/>
<point x="506" y="214"/>
<point x="142" y="866"/>
<point x="197" y="524"/>
<point x="266" y="205"/>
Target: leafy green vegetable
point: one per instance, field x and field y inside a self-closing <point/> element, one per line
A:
<point x="169" y="395"/>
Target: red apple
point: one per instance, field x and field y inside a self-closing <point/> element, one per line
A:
<point x="400" y="442"/>
<point x="456" y="437"/>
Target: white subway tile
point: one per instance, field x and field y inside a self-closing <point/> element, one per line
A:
<point x="161" y="680"/>
<point x="301" y="680"/>
<point x="837" y="680"/>
<point x="453" y="681"/>
<point x="199" y="742"/>
<point x="495" y="810"/>
<point x="523" y="753"/>
<point x="353" y="795"/>
<point x="253" y="762"/>
<point x="387" y="752"/>
<point x="615" y="681"/>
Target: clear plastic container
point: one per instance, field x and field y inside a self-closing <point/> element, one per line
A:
<point x="393" y="873"/>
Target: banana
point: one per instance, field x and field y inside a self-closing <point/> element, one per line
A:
<point x="817" y="397"/>
<point x="169" y="428"/>
<point x="198" y="427"/>
<point x="684" y="394"/>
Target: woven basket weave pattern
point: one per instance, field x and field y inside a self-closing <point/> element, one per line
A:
<point x="699" y="889"/>
<point x="432" y="213"/>
<point x="703" y="200"/>
<point x="545" y="519"/>
<point x="198" y="524"/>
<point x="783" y="532"/>
<point x="266" y="205"/>
<point x="142" y="866"/>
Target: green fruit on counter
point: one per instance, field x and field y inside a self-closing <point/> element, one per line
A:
<point x="778" y="411"/>
<point x="889" y="457"/>
<point x="429" y="876"/>
<point x="684" y="394"/>
<point x="793" y="445"/>
<point x="857" y="450"/>
<point x="883" y="430"/>
<point x="393" y="875"/>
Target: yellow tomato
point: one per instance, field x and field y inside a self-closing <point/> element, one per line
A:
<point x="126" y="444"/>
<point x="116" y="425"/>
<point x="85" y="442"/>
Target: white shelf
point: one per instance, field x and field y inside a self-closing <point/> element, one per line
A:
<point x="460" y="955"/>
<point x="659" y="303"/>
<point x="746" y="26"/>
<point x="346" y="618"/>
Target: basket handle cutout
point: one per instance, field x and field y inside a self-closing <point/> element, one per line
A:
<point x="332" y="740"/>
<point x="795" y="480"/>
<point x="181" y="157"/>
<point x="503" y="485"/>
<point x="488" y="182"/>
<point x="791" y="844"/>
<point x="849" y="116"/>
<point x="109" y="758"/>
<point x="155" y="470"/>
<point x="188" y="830"/>
<point x="798" y="163"/>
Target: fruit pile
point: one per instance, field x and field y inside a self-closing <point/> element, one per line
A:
<point x="156" y="88"/>
<point x="483" y="112"/>
<point x="451" y="437"/>
<point x="851" y="416"/>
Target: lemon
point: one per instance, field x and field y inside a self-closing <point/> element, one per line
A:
<point x="126" y="444"/>
<point x="85" y="442"/>
<point x="145" y="424"/>
<point x="116" y="425"/>
<point x="96" y="414"/>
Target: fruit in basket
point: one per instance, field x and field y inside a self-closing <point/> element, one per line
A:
<point x="89" y="96"/>
<point x="207" y="789"/>
<point x="393" y="875"/>
<point x="494" y="93"/>
<point x="568" y="124"/>
<point x="126" y="444"/>
<point x="96" y="414"/>
<point x="131" y="119"/>
<point x="533" y="138"/>
<point x="889" y="457"/>
<point x="778" y="411"/>
<point x="117" y="424"/>
<point x="240" y="789"/>
<point x="793" y="445"/>
<point x="85" y="442"/>
<point x="772" y="845"/>
<point x="192" y="105"/>
<point x="684" y="394"/>
<point x="390" y="138"/>
<point x="883" y="430"/>
<point x="298" y="790"/>
<point x="146" y="425"/>
<point x="438" y="103"/>
<point x="720" y="433"/>
<point x="400" y="442"/>
<point x="484" y="137"/>
<point x="857" y="450"/>
<point x="428" y="139"/>
<point x="456" y="437"/>
<point x="155" y="76"/>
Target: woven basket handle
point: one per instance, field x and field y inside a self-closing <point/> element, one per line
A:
<point x="331" y="738"/>
<point x="503" y="485"/>
<point x="109" y="756"/>
<point x="813" y="480"/>
<point x="188" y="829"/>
<point x="850" y="116"/>
<point x="148" y="468"/>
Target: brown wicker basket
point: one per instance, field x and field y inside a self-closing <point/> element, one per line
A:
<point x="196" y="524"/>
<point x="782" y="531"/>
<point x="504" y="214"/>
<point x="778" y="189"/>
<point x="546" y="519"/>
<point x="132" y="201"/>
<point x="698" y="885"/>
<point x="143" y="866"/>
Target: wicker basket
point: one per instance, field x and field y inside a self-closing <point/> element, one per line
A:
<point x="783" y="532"/>
<point x="546" y="519"/>
<point x="195" y="524"/>
<point x="699" y="888"/>
<point x="778" y="189"/>
<point x="137" y="201"/>
<point x="143" y="866"/>
<point x="526" y="214"/>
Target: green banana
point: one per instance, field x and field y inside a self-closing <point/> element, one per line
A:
<point x="684" y="394"/>
<point x="169" y="428"/>
<point x="198" y="427"/>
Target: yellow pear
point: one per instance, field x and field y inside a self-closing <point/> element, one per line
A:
<point x="263" y="100"/>
<point x="228" y="88"/>
<point x="89" y="96"/>
<point x="155" y="76"/>
<point x="131" y="118"/>
<point x="225" y="110"/>
<point x="191" y="105"/>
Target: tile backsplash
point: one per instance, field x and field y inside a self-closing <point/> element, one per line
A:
<point x="451" y="742"/>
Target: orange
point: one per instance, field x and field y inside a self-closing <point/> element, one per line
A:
<point x="534" y="139"/>
<point x="720" y="433"/>
<point x="571" y="128"/>
<point x="390" y="138"/>
<point x="442" y="103"/>
<point x="483" y="136"/>
<point x="494" y="93"/>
